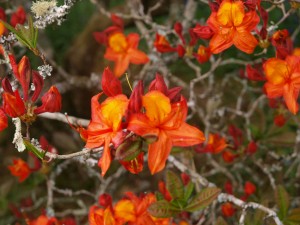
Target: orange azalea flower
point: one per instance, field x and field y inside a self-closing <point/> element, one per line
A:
<point x="44" y="220"/>
<point x="123" y="51"/>
<point x="283" y="79"/>
<point x="232" y="26"/>
<point x="106" y="125"/>
<point x="20" y="169"/>
<point x="162" y="44"/>
<point x="100" y="216"/>
<point x="166" y="121"/>
<point x="215" y="144"/>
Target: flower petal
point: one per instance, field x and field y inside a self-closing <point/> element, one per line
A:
<point x="219" y="43"/>
<point x="158" y="152"/>
<point x="245" y="41"/>
<point x="137" y="57"/>
<point x="290" y="97"/>
<point x="276" y="71"/>
<point x="121" y="65"/>
<point x="186" y="135"/>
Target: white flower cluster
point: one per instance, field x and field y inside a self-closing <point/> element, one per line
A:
<point x="47" y="12"/>
<point x="45" y="70"/>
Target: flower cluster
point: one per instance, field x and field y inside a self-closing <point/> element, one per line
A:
<point x="24" y="107"/>
<point x="120" y="49"/>
<point x="131" y="210"/>
<point x="157" y="117"/>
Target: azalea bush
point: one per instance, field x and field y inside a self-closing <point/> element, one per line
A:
<point x="150" y="112"/>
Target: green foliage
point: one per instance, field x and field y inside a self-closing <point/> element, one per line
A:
<point x="174" y="185"/>
<point x="33" y="149"/>
<point x="26" y="35"/>
<point x="204" y="198"/>
<point x="182" y="199"/>
<point x="282" y="201"/>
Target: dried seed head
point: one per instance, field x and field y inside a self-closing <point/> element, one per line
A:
<point x="41" y="8"/>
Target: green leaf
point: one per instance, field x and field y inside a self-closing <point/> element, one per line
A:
<point x="294" y="216"/>
<point x="30" y="147"/>
<point x="221" y="221"/>
<point x="162" y="209"/>
<point x="188" y="190"/>
<point x="179" y="203"/>
<point x="129" y="150"/>
<point x="27" y="36"/>
<point x="282" y="201"/>
<point x="203" y="199"/>
<point x="174" y="185"/>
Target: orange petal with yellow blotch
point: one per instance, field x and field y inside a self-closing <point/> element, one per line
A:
<point x="186" y="135"/>
<point x="125" y="210"/>
<point x="158" y="153"/>
<point x="157" y="106"/>
<point x="113" y="109"/>
<point x="237" y="13"/>
<point x="277" y="71"/>
<point x="290" y="96"/>
<point x="245" y="41"/>
<point x="224" y="13"/>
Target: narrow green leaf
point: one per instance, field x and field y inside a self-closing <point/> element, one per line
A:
<point x="174" y="185"/>
<point x="162" y="209"/>
<point x="188" y="190"/>
<point x="203" y="199"/>
<point x="221" y="221"/>
<point x="282" y="201"/>
<point x="33" y="149"/>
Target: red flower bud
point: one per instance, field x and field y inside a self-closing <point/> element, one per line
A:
<point x="105" y="200"/>
<point x="249" y="188"/>
<point x="228" y="187"/>
<point x="3" y="120"/>
<point x="163" y="189"/>
<point x="180" y="50"/>
<point x="227" y="209"/>
<point x="158" y="84"/>
<point x="174" y="94"/>
<point x="185" y="178"/>
<point x="22" y="72"/>
<point x="18" y="17"/>
<point x="51" y="102"/>
<point x="252" y="147"/>
<point x="7" y="86"/>
<point x="178" y="28"/>
<point x="255" y="74"/>
<point x="117" y="21"/>
<point x="135" y="101"/>
<point x="279" y="120"/>
<point x="111" y="85"/>
<point x="38" y="83"/>
<point x="204" y="32"/>
<point x="13" y="105"/>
